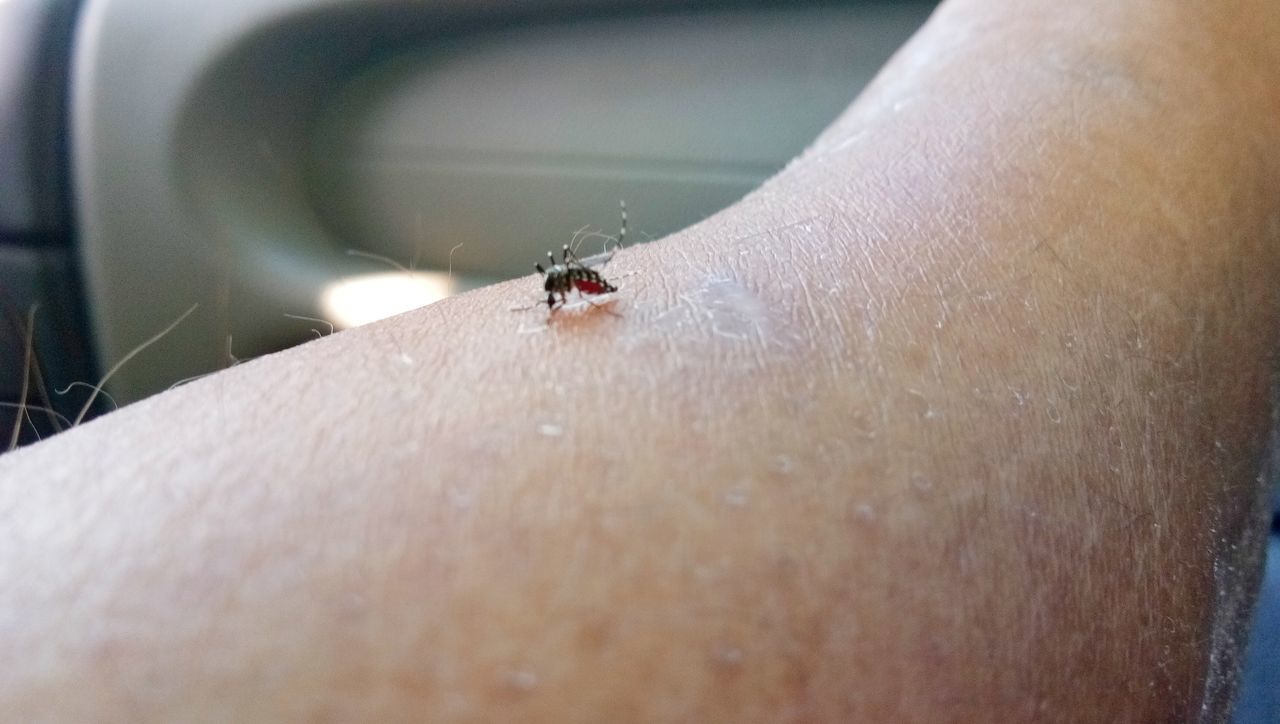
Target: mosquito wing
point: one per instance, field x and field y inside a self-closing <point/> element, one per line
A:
<point x="595" y="261"/>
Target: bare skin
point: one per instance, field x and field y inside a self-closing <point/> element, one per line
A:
<point x="955" y="419"/>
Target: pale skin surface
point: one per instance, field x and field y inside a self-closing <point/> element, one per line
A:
<point x="941" y="424"/>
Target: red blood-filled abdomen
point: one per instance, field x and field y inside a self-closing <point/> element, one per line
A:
<point x="586" y="286"/>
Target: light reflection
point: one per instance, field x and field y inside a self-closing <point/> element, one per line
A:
<point x="353" y="301"/>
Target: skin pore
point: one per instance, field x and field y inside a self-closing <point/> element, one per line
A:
<point x="961" y="417"/>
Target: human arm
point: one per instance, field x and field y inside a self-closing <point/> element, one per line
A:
<point x="957" y="416"/>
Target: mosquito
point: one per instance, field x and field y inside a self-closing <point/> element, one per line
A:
<point x="574" y="273"/>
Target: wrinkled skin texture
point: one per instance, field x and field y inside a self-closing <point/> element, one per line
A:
<point x="958" y="418"/>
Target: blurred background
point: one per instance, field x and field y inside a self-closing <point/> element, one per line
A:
<point x="266" y="160"/>
<point x="276" y="168"/>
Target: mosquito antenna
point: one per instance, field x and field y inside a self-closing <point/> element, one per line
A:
<point x="576" y="241"/>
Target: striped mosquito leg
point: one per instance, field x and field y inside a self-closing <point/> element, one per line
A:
<point x="622" y="232"/>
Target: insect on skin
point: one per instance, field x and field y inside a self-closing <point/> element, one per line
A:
<point x="573" y="273"/>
